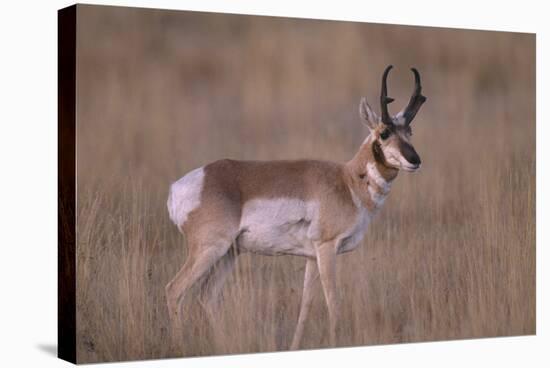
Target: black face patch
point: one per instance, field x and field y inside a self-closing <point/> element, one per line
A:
<point x="377" y="152"/>
<point x="409" y="153"/>
<point x="385" y="134"/>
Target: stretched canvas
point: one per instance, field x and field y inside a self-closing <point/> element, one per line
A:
<point x="241" y="184"/>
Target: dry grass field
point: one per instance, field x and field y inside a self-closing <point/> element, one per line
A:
<point x="451" y="255"/>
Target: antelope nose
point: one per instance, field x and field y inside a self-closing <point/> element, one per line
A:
<point x="415" y="160"/>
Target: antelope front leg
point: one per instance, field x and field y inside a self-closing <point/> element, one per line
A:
<point x="326" y="262"/>
<point x="310" y="277"/>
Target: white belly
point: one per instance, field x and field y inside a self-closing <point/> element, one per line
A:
<point x="278" y="226"/>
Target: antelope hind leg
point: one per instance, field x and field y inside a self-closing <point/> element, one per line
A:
<point x="210" y="293"/>
<point x="195" y="267"/>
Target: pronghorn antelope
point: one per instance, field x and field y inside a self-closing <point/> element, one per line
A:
<point x="314" y="209"/>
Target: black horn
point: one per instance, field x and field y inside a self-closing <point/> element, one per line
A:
<point x="384" y="99"/>
<point x="417" y="99"/>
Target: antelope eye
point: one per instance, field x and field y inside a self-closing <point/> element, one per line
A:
<point x="385" y="134"/>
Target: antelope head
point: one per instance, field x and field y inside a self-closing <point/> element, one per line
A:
<point x="391" y="135"/>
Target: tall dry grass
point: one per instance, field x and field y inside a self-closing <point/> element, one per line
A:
<point x="452" y="253"/>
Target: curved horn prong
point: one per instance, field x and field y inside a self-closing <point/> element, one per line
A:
<point x="384" y="99"/>
<point x="417" y="99"/>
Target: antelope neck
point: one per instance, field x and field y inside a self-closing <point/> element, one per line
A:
<point x="367" y="175"/>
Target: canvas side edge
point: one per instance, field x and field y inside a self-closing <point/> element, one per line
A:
<point x="66" y="160"/>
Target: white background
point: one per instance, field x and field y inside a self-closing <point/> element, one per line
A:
<point x="28" y="180"/>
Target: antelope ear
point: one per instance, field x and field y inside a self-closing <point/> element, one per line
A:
<point x="368" y="116"/>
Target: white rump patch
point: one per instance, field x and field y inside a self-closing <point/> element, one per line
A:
<point x="185" y="196"/>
